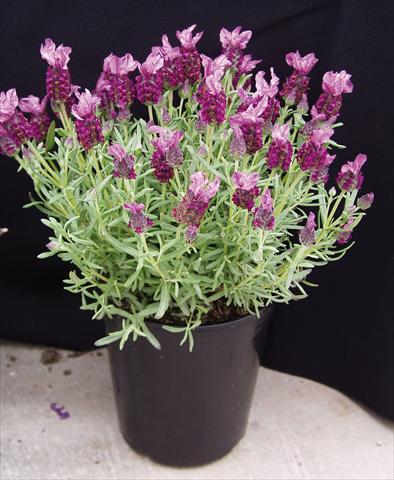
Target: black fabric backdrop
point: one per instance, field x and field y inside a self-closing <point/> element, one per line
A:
<point x="343" y="334"/>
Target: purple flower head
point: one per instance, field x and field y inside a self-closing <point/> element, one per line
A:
<point x="39" y="119"/>
<point x="263" y="214"/>
<point x="307" y="233"/>
<point x="192" y="207"/>
<point x="138" y="221"/>
<point x="265" y="88"/>
<point x="302" y="65"/>
<point x="152" y="64"/>
<point x="238" y="145"/>
<point x="86" y="106"/>
<point x="246" y="189"/>
<point x="319" y="171"/>
<point x="337" y="83"/>
<point x="57" y="57"/>
<point x="297" y="85"/>
<point x="87" y="125"/>
<point x="281" y="132"/>
<point x="234" y="39"/>
<point x="8" y="104"/>
<point x="186" y="38"/>
<point x="350" y="177"/>
<point x="172" y="72"/>
<point x="250" y="122"/>
<point x="212" y="100"/>
<point x="365" y="201"/>
<point x="167" y="141"/>
<point x="33" y="105"/>
<point x="14" y="127"/>
<point x="124" y="163"/>
<point x="346" y="233"/>
<point x="191" y="233"/>
<point x="115" y="65"/>
<point x="149" y="84"/>
<point x="280" y="150"/>
<point x="167" y="154"/>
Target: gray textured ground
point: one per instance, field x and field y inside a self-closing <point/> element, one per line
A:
<point x="298" y="428"/>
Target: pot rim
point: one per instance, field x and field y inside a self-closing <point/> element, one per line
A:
<point x="155" y="324"/>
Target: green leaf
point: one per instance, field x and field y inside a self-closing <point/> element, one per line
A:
<point x="50" y="140"/>
<point x="164" y="301"/>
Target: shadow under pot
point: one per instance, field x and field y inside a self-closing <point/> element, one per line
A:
<point x="184" y="408"/>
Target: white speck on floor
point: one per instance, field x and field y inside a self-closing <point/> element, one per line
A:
<point x="298" y="429"/>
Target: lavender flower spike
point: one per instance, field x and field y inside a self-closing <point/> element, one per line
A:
<point x="330" y="101"/>
<point x="280" y="151"/>
<point x="365" y="201"/>
<point x="167" y="154"/>
<point x="87" y="125"/>
<point x="39" y="119"/>
<point x="58" y="80"/>
<point x="350" y="177"/>
<point x="138" y="221"/>
<point x="263" y="214"/>
<point x="246" y="189"/>
<point x="190" y="58"/>
<point x="194" y="204"/>
<point x="124" y="163"/>
<point x="149" y="84"/>
<point x="307" y="233"/>
<point x="14" y="127"/>
<point x="297" y="85"/>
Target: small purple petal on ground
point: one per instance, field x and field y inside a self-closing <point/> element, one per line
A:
<point x="59" y="409"/>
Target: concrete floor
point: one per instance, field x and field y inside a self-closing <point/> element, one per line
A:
<point x="298" y="429"/>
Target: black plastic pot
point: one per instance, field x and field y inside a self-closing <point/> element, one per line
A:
<point x="183" y="408"/>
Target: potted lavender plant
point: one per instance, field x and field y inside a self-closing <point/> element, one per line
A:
<point x="185" y="229"/>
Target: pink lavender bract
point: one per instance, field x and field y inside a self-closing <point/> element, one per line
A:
<point x="124" y="163"/>
<point x="246" y="189"/>
<point x="191" y="60"/>
<point x="333" y="85"/>
<point x="350" y="177"/>
<point x="194" y="204"/>
<point x="365" y="201"/>
<point x="297" y="85"/>
<point x="39" y="119"/>
<point x="307" y="233"/>
<point x="280" y="150"/>
<point x="138" y="221"/>
<point x="8" y="104"/>
<point x="87" y="125"/>
<point x="57" y="77"/>
<point x="263" y="214"/>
